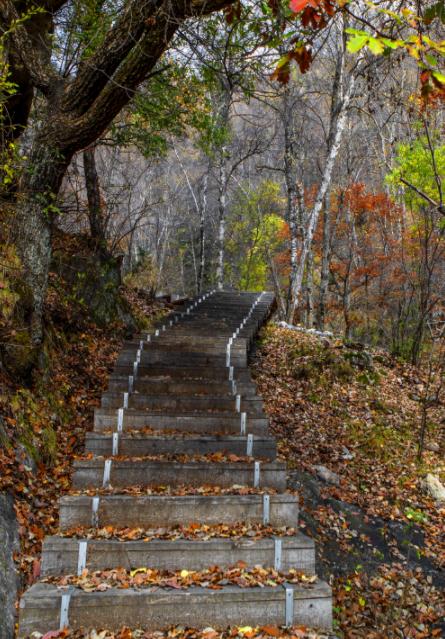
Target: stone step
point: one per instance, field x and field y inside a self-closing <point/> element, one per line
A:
<point x="189" y="403"/>
<point x="163" y="386"/>
<point x="203" y="325"/>
<point x="221" y="317"/>
<point x="156" y="609"/>
<point x="209" y="423"/>
<point x="141" y="444"/>
<point x="172" y="337"/>
<point x="173" y="357"/>
<point x="234" y="306"/>
<point x="170" y="340"/>
<point x="224" y="312"/>
<point x="206" y="330"/>
<point x="94" y="473"/>
<point x="215" y="373"/>
<point x="147" y="511"/>
<point x="60" y="555"/>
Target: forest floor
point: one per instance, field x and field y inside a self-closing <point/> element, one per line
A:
<point x="380" y="538"/>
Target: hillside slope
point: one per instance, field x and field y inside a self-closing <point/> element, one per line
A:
<point x="357" y="414"/>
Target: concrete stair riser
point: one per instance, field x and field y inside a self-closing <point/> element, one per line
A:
<point x="148" y="511"/>
<point x="169" y="358"/>
<point x="170" y="339"/>
<point x="105" y="419"/>
<point x="183" y="372"/>
<point x="90" y="474"/>
<point x="252" y="406"/>
<point x="102" y="445"/>
<point x="61" y="555"/>
<point x="168" y="342"/>
<point x="148" y="386"/>
<point x="157" y="609"/>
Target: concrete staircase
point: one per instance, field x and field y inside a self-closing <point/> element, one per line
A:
<point x="184" y="390"/>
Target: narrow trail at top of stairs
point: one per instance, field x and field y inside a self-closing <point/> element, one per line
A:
<point x="180" y="438"/>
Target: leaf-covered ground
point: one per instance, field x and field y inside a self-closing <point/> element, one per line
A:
<point x="213" y="578"/>
<point x="358" y="414"/>
<point x="43" y="426"/>
<point x="179" y="632"/>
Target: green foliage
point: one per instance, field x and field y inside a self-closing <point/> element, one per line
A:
<point x="417" y="47"/>
<point x="227" y="66"/>
<point x="256" y="231"/>
<point x="87" y="23"/>
<point x="414" y="163"/>
<point x="416" y="516"/>
<point x="9" y="155"/>
<point x="170" y="104"/>
<point x="377" y="45"/>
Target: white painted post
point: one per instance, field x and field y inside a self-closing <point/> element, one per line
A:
<point x="278" y="552"/>
<point x="289" y="607"/>
<point x="115" y="445"/>
<point x="107" y="473"/>
<point x="64" y="609"/>
<point x="120" y="420"/>
<point x="95" y="512"/>
<point x="82" y="557"/>
<point x="249" y="449"/>
<point x="266" y="509"/>
<point x="256" y="474"/>
<point x="243" y="423"/>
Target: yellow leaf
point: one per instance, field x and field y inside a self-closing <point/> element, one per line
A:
<point x="136" y="571"/>
<point x="184" y="573"/>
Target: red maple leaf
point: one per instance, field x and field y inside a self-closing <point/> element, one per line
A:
<point x="298" y="5"/>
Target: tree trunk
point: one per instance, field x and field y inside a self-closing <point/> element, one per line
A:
<point x="222" y="195"/>
<point x="340" y="105"/>
<point x="325" y="264"/>
<point x="36" y="211"/>
<point x="347" y="307"/>
<point x="277" y="287"/>
<point x="293" y="195"/>
<point x="309" y="291"/>
<point x="202" y="233"/>
<point x="95" y="213"/>
<point x="223" y="120"/>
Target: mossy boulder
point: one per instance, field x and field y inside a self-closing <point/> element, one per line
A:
<point x="93" y="284"/>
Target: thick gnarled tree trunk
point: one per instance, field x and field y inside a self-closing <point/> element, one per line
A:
<point x="36" y="209"/>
